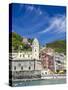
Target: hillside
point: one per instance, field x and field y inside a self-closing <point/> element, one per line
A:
<point x="17" y="42"/>
<point x="58" y="46"/>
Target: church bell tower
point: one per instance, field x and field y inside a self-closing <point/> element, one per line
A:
<point x="35" y="49"/>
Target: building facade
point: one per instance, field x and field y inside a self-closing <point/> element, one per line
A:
<point x="46" y="57"/>
<point x="59" y="61"/>
<point x="35" y="63"/>
<point x="26" y="64"/>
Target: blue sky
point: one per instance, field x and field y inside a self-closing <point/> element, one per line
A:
<point x="46" y="23"/>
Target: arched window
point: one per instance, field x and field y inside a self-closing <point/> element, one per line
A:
<point x="29" y="67"/>
<point x="20" y="55"/>
<point x="23" y="55"/>
<point x="22" y="68"/>
<point x="14" y="67"/>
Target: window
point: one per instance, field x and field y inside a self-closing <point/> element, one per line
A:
<point x="28" y="55"/>
<point x="29" y="67"/>
<point x="20" y="55"/>
<point x="14" y="67"/>
<point x="19" y="64"/>
<point x="35" y="50"/>
<point x="22" y="68"/>
<point x="44" y="66"/>
<point x="23" y="55"/>
<point x="45" y="72"/>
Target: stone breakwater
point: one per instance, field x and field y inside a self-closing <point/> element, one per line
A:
<point x="40" y="77"/>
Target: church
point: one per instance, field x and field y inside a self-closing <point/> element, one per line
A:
<point x="26" y="64"/>
<point x="28" y="55"/>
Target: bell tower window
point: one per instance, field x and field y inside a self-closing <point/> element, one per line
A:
<point x="35" y="50"/>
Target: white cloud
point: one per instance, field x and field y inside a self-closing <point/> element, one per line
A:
<point x="57" y="24"/>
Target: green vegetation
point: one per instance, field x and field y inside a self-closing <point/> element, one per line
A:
<point x="17" y="42"/>
<point x="30" y="40"/>
<point x="58" y="46"/>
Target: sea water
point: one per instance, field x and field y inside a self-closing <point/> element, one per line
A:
<point x="39" y="82"/>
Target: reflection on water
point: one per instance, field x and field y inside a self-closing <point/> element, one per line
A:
<point x="39" y="82"/>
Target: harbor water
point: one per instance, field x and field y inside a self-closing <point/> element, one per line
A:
<point x="39" y="82"/>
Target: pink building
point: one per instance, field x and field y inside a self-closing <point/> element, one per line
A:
<point x="47" y="60"/>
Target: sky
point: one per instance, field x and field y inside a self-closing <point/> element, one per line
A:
<point x="46" y="23"/>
